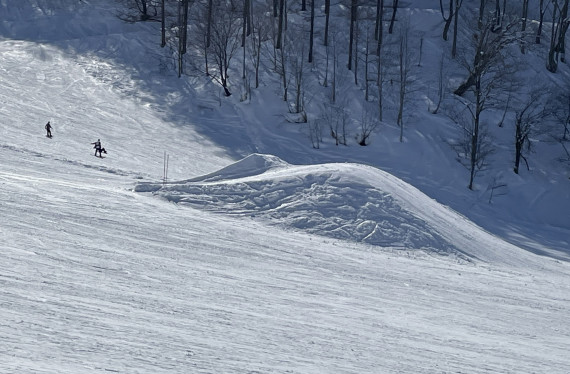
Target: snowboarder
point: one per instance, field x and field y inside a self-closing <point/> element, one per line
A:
<point x="48" y="129"/>
<point x="97" y="146"/>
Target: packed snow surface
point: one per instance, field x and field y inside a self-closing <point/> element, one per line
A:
<point x="348" y="201"/>
<point x="242" y="262"/>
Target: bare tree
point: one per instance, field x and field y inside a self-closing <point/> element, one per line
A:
<point x="337" y="118"/>
<point x="163" y="23"/>
<point x="542" y="12"/>
<point x="246" y="22"/>
<point x="366" y="61"/>
<point x="558" y="33"/>
<point x="380" y="83"/>
<point x="379" y="31"/>
<point x="404" y="69"/>
<point x="440" y="87"/>
<point x="458" y="4"/>
<point x="225" y="42"/>
<point x="489" y="46"/>
<point x="497" y="16"/>
<point x="281" y="57"/>
<point x="327" y="18"/>
<point x="139" y="10"/>
<point x="559" y="108"/>
<point x="182" y="34"/>
<point x="524" y="21"/>
<point x="296" y="58"/>
<point x="353" y="22"/>
<point x="379" y="21"/>
<point x="528" y="115"/>
<point x="312" y="32"/>
<point x="368" y="124"/>
<point x="336" y="79"/>
<point x="259" y="34"/>
<point x="482" y="4"/>
<point x="486" y="71"/>
<point x="474" y="146"/>
<point x="356" y="45"/>
<point x="394" y="10"/>
<point x="447" y="19"/>
<point x="379" y="63"/>
<point x="564" y="23"/>
<point x="281" y="22"/>
<point x="315" y="128"/>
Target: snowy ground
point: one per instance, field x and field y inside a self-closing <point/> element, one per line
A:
<point x="251" y="265"/>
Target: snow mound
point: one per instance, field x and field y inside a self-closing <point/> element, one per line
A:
<point x="345" y="201"/>
<point x="251" y="165"/>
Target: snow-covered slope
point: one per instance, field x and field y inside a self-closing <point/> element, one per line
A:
<point x="99" y="275"/>
<point x="96" y="277"/>
<point x="349" y="201"/>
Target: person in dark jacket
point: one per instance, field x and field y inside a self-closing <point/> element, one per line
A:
<point x="48" y="129"/>
<point x="98" y="148"/>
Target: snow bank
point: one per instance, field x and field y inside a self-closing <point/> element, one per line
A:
<point x="347" y="201"/>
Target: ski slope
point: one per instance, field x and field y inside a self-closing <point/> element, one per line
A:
<point x="243" y="262"/>
<point x="97" y="277"/>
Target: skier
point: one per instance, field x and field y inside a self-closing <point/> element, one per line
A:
<point x="48" y="129"/>
<point x="97" y="146"/>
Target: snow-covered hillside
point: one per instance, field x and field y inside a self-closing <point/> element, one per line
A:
<point x="248" y="260"/>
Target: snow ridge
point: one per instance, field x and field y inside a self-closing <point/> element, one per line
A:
<point x="339" y="200"/>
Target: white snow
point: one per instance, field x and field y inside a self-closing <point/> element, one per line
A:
<point x="261" y="255"/>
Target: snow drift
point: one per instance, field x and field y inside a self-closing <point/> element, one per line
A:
<point x="341" y="200"/>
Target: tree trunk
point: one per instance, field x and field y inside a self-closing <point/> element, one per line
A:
<point x="540" y="22"/>
<point x="353" y="8"/>
<point x="367" y="51"/>
<point x="180" y="37"/>
<point x="481" y="14"/>
<point x="258" y="59"/>
<point x="380" y="89"/>
<point x="380" y="30"/>
<point x="335" y="62"/>
<point x="378" y="19"/>
<point x="356" y="40"/>
<point x="448" y="19"/>
<point x="551" y="64"/>
<point x="144" y="11"/>
<point x="403" y="80"/>
<point x="465" y="85"/>
<point x="394" y="10"/>
<point x="244" y="22"/>
<point x="518" y="146"/>
<point x="312" y="33"/>
<point x="498" y="14"/>
<point x="475" y="141"/>
<point x="280" y="27"/>
<point x="455" y="25"/>
<point x="162" y="25"/>
<point x="327" y="16"/>
<point x="284" y="74"/>
<point x="523" y="26"/>
<point x="563" y="27"/>
<point x="209" y="25"/>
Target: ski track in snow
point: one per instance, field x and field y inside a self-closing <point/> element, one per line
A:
<point x="114" y="280"/>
